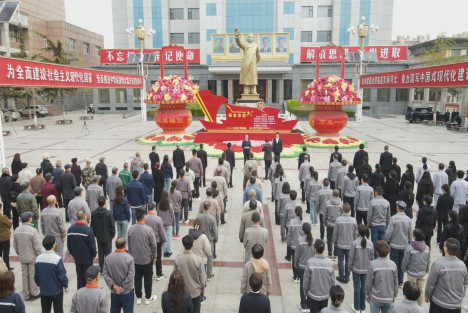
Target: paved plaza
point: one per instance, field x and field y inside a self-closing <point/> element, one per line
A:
<point x="114" y="137"/>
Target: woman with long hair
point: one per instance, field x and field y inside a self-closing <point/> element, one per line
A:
<point x="76" y="171"/>
<point x="337" y="297"/>
<point x="407" y="196"/>
<point x="292" y="239"/>
<point x="313" y="187"/>
<point x="443" y="207"/>
<point x="451" y="172"/>
<point x="121" y="212"/>
<point x="390" y="191"/>
<point x="427" y="219"/>
<point x="167" y="171"/>
<point x="360" y="256"/>
<point x="421" y="169"/>
<point x="453" y="229"/>
<point x="16" y="164"/>
<point x="407" y="176"/>
<point x="175" y="199"/>
<point x="9" y="299"/>
<point x="425" y="188"/>
<point x="365" y="169"/>
<point x="176" y="299"/>
<point x="397" y="169"/>
<point x="377" y="178"/>
<point x="304" y="251"/>
<point x="166" y="213"/>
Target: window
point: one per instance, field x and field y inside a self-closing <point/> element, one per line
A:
<point x="120" y="95"/>
<point x="212" y="86"/>
<point x="177" y="38"/>
<point x="71" y="43"/>
<point x="289" y="7"/>
<point x="136" y="95"/>
<point x="324" y="11"/>
<point x="306" y="36"/>
<point x="307" y="12"/>
<point x="366" y="95"/>
<point x="85" y="48"/>
<point x="98" y="51"/>
<point x="14" y="36"/>
<point x="456" y="52"/>
<point x="176" y="14"/>
<point x="402" y="94"/>
<point x="211" y="9"/>
<point x="193" y="14"/>
<point x="45" y="42"/>
<point x="193" y="37"/>
<point x="103" y="95"/>
<point x="383" y="95"/>
<point x="287" y="87"/>
<point x="324" y="36"/>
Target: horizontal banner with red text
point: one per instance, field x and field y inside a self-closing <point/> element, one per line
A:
<point x="121" y="56"/>
<point x="18" y="73"/>
<point x="450" y="75"/>
<point x="384" y="53"/>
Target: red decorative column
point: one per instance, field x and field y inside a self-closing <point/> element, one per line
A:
<point x="172" y="116"/>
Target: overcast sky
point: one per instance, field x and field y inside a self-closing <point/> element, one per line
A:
<point x="410" y="17"/>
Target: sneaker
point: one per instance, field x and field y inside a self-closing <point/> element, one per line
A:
<point x="287" y="258"/>
<point x="186" y="221"/>
<point x="354" y="309"/>
<point x="465" y="307"/>
<point x="151" y="300"/>
<point x="174" y="237"/>
<point x="341" y="280"/>
<point x="334" y="258"/>
<point x="159" y="277"/>
<point x="33" y="298"/>
<point x="304" y="310"/>
<point x="138" y="301"/>
<point x="203" y="300"/>
<point x="177" y="237"/>
<point x="210" y="277"/>
<point x="296" y="280"/>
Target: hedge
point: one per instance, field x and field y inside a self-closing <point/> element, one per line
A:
<point x="193" y="107"/>
<point x="304" y="109"/>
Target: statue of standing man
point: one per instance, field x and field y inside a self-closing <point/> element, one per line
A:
<point x="248" y="72"/>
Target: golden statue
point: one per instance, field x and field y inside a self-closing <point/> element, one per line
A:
<point x="248" y="72"/>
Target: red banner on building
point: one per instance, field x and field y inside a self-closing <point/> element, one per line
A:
<point x="16" y="72"/>
<point x="120" y="56"/>
<point x="450" y="75"/>
<point x="384" y="53"/>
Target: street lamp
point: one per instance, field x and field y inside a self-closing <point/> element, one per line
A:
<point x="362" y="31"/>
<point x="141" y="34"/>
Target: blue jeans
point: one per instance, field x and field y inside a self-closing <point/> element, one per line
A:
<point x="396" y="255"/>
<point x="304" y="304"/>
<point x="149" y="199"/>
<point x="175" y="231"/>
<point x="359" y="283"/>
<point x="134" y="214"/>
<point x="343" y="272"/>
<point x="313" y="213"/>
<point x="122" y="227"/>
<point x="168" y="245"/>
<point x="167" y="184"/>
<point x="379" y="307"/>
<point x="377" y="233"/>
<point x="124" y="302"/>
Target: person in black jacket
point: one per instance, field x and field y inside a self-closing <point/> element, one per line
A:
<point x="246" y="145"/>
<point x="15" y="190"/>
<point x="277" y="145"/>
<point x="444" y="206"/>
<point x="463" y="214"/>
<point x="377" y="178"/>
<point x="101" y="169"/>
<point x="154" y="157"/>
<point x="302" y="155"/>
<point x="451" y="172"/>
<point x="359" y="159"/>
<point x="103" y="226"/>
<point x="426" y="220"/>
<point x="68" y="182"/>
<point x="82" y="247"/>
<point x="230" y="157"/>
<point x="390" y="192"/>
<point x="407" y="176"/>
<point x="365" y="169"/>
<point x="16" y="164"/>
<point x="425" y="187"/>
<point x="267" y="151"/>
<point x="453" y="229"/>
<point x="158" y="177"/>
<point x="201" y="154"/>
<point x="176" y="299"/>
<point x="386" y="162"/>
<point x="255" y="302"/>
<point x="397" y="169"/>
<point x="5" y="187"/>
<point x="178" y="159"/>
<point x="406" y="195"/>
<point x="46" y="166"/>
<point x="339" y="157"/>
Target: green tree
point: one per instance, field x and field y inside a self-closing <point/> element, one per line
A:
<point x="437" y="53"/>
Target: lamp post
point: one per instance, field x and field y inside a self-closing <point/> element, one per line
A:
<point x="141" y="34"/>
<point x="362" y="31"/>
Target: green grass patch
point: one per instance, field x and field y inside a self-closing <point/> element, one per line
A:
<point x="193" y="107"/>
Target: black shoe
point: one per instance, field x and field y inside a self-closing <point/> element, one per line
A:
<point x="166" y="255"/>
<point x="190" y="210"/>
<point x="203" y="300"/>
<point x="223" y="222"/>
<point x="204" y="185"/>
<point x="287" y="258"/>
<point x="214" y="256"/>
<point x="169" y="254"/>
<point x="341" y="280"/>
<point x="346" y="281"/>
<point x="11" y="269"/>
<point x="308" y="212"/>
<point x="34" y="298"/>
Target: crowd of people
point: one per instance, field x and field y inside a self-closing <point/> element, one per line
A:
<point x="140" y="207"/>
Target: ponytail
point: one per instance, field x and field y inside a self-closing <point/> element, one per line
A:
<point x="315" y="175"/>
<point x="307" y="231"/>
<point x="424" y="160"/>
<point x="173" y="186"/>
<point x="281" y="174"/>
<point x="337" y="295"/>
<point x="298" y="211"/>
<point x="362" y="229"/>
<point x="455" y="219"/>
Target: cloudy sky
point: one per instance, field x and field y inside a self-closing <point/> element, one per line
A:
<point x="410" y="17"/>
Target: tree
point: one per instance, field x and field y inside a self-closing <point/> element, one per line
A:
<point x="437" y="54"/>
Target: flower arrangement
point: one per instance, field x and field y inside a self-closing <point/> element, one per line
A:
<point x="172" y="88"/>
<point x="329" y="89"/>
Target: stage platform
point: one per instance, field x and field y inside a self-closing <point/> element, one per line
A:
<point x="287" y="138"/>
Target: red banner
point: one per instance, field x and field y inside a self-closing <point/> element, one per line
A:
<point x="16" y="72"/>
<point x="112" y="56"/>
<point x="384" y="53"/>
<point x="450" y="75"/>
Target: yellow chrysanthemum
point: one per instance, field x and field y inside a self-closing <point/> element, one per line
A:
<point x="167" y="97"/>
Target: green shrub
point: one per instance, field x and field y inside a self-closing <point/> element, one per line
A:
<point x="301" y="110"/>
<point x="193" y="107"/>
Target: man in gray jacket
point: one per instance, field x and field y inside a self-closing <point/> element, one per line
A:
<point x="90" y="298"/>
<point x="78" y="204"/>
<point x="28" y="247"/>
<point x="210" y="229"/>
<point x="93" y="193"/>
<point x="323" y="196"/>
<point x="349" y="187"/>
<point x="378" y="216"/>
<point x="156" y="223"/>
<point x="399" y="233"/>
<point x="447" y="280"/>
<point x="344" y="232"/>
<point x="112" y="182"/>
<point x="303" y="172"/>
<point x="333" y="209"/>
<point x="319" y="277"/>
<point x="254" y="234"/>
<point x="119" y="272"/>
<point x="215" y="210"/>
<point x="52" y="223"/>
<point x="333" y="171"/>
<point x="362" y="200"/>
<point x="142" y="246"/>
<point x="197" y="167"/>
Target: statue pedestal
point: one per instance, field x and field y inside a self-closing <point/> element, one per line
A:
<point x="249" y="100"/>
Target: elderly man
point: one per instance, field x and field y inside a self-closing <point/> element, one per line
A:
<point x="68" y="181"/>
<point x="26" y="202"/>
<point x="214" y="208"/>
<point x="93" y="193"/>
<point x="137" y="164"/>
<point x="101" y="170"/>
<point x="78" y="204"/>
<point x="197" y="167"/>
<point x="46" y="166"/>
<point x="253" y="235"/>
<point x="252" y="196"/>
<point x="246" y="219"/>
<point x="249" y="167"/>
<point x="178" y="159"/>
<point x="112" y="183"/>
<point x="52" y="224"/>
<point x="258" y="191"/>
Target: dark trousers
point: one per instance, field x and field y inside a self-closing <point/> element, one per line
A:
<point x="65" y="205"/>
<point x="80" y="274"/>
<point x="178" y="171"/>
<point x="349" y="200"/>
<point x="15" y="218"/>
<point x="143" y="272"/>
<point x="322" y="228"/>
<point x="331" y="247"/>
<point x="5" y="252"/>
<point x="278" y="155"/>
<point x="316" y="306"/>
<point x="396" y="255"/>
<point x="230" y="177"/>
<point x="60" y="196"/>
<point x="303" y="192"/>
<point x="267" y="168"/>
<point x="104" y="249"/>
<point x="441" y="222"/>
<point x="294" y="268"/>
<point x="7" y="209"/>
<point x="361" y="216"/>
<point x="434" y="308"/>
<point x="158" y="260"/>
<point x="427" y="240"/>
<point x="204" y="177"/>
<point x="196" y="186"/>
<point x="39" y="202"/>
<point x="102" y="183"/>
<point x="332" y="184"/>
<point x="125" y="302"/>
<point x="246" y="155"/>
<point x="185" y="209"/>
<point x="56" y="301"/>
<point x="196" y="304"/>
